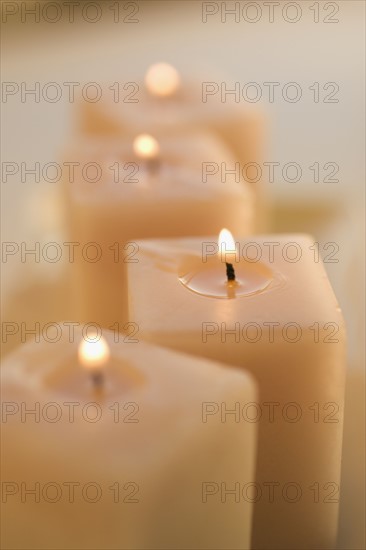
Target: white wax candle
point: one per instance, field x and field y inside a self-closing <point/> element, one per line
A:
<point x="166" y="101"/>
<point x="163" y="196"/>
<point x="187" y="106"/>
<point x="127" y="461"/>
<point x="280" y="320"/>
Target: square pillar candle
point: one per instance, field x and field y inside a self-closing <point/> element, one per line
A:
<point x="167" y="101"/>
<point x="119" y="191"/>
<point x="106" y="443"/>
<point x="263" y="304"/>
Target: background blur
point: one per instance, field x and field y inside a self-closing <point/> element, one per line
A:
<point x="325" y="45"/>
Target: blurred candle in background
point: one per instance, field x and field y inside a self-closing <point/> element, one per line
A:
<point x="279" y="320"/>
<point x="130" y="462"/>
<point x="159" y="192"/>
<point x="167" y="101"/>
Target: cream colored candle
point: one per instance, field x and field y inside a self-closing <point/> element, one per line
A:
<point x="144" y="188"/>
<point x="107" y="444"/>
<point x="165" y="100"/>
<point x="280" y="320"/>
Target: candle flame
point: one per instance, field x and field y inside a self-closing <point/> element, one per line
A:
<point x="162" y="80"/>
<point x="94" y="352"/>
<point x="146" y="146"/>
<point x="227" y="247"/>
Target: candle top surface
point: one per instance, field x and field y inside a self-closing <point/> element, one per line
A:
<point x="135" y="368"/>
<point x="299" y="291"/>
<point x="176" y="174"/>
<point x="185" y="101"/>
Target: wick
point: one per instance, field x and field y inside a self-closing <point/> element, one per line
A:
<point x="230" y="272"/>
<point x="98" y="379"/>
<point x="152" y="165"/>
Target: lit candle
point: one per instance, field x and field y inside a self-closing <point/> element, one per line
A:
<point x="284" y="325"/>
<point x="134" y="465"/>
<point x="228" y="254"/>
<point x="166" y="102"/>
<point x="162" y="80"/>
<point x="146" y="147"/>
<point x="159" y="192"/>
<point x="94" y="354"/>
<point x="243" y="278"/>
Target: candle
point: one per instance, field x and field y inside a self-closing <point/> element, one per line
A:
<point x="280" y="321"/>
<point x="145" y="188"/>
<point x="132" y="462"/>
<point x="165" y="101"/>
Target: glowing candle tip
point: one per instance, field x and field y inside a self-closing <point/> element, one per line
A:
<point x="227" y="251"/>
<point x="162" y="80"/>
<point x="146" y="146"/>
<point x="93" y="353"/>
